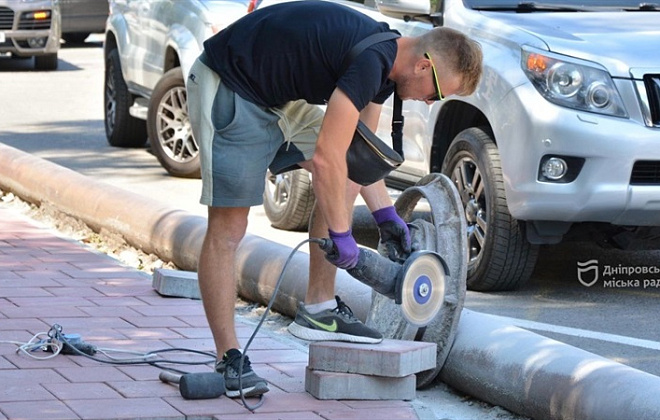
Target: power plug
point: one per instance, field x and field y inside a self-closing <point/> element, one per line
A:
<point x="73" y="342"/>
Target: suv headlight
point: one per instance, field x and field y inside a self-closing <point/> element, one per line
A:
<point x="572" y="83"/>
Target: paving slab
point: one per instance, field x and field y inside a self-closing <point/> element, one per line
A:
<point x="352" y="386"/>
<point x="395" y="358"/>
<point x="176" y="283"/>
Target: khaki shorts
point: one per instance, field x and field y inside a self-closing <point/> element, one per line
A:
<point x="239" y="141"/>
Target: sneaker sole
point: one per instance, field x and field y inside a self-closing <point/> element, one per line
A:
<point x="254" y="391"/>
<point x="310" y="334"/>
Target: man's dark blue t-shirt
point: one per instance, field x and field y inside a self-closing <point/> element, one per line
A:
<point x="295" y="50"/>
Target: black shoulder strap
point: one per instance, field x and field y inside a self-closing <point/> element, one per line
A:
<point x="397" y="124"/>
<point x="363" y="45"/>
<point x="397" y="115"/>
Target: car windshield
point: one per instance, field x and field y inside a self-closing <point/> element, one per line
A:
<point x="561" y="5"/>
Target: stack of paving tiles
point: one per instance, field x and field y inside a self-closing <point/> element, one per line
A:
<point x="384" y="371"/>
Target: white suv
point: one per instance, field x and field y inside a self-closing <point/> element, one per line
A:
<point x="150" y="46"/>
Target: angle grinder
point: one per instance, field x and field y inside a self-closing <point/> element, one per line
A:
<point x="417" y="284"/>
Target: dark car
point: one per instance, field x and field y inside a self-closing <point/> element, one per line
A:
<point x="81" y="18"/>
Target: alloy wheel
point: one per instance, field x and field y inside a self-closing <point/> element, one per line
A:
<point x="174" y="132"/>
<point x="110" y="99"/>
<point x="278" y="188"/>
<point x="470" y="184"/>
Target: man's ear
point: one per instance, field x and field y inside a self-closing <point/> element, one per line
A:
<point x="422" y="65"/>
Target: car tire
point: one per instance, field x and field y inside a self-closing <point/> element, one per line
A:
<point x="289" y="200"/>
<point x="46" y="62"/>
<point x="121" y="128"/>
<point x="168" y="125"/>
<point x="499" y="255"/>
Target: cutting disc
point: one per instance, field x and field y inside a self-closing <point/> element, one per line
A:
<point x="422" y="287"/>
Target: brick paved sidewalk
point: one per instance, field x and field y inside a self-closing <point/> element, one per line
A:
<point x="46" y="280"/>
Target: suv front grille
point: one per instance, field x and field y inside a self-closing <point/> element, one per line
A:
<point x="28" y="22"/>
<point x="645" y="172"/>
<point x="6" y="18"/>
<point x="652" y="83"/>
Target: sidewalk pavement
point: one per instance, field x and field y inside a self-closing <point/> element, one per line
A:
<point x="47" y="280"/>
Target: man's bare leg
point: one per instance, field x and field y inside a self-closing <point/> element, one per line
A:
<point x="322" y="274"/>
<point x="321" y="286"/>
<point x="217" y="272"/>
<point x="217" y="283"/>
<point x="321" y="317"/>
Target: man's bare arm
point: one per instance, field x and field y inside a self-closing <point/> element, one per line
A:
<point x="329" y="161"/>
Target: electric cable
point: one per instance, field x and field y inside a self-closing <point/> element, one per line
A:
<point x="271" y="301"/>
<point x="37" y="343"/>
<point x="56" y="335"/>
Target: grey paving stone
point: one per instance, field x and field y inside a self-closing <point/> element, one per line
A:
<point x="394" y="358"/>
<point x="350" y="386"/>
<point x="176" y="283"/>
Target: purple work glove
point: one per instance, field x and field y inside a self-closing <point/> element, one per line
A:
<point x="344" y="251"/>
<point x="394" y="233"/>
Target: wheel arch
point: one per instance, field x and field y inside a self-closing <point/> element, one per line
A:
<point x="183" y="48"/>
<point x="116" y="36"/>
<point x="453" y="118"/>
<point x="171" y="59"/>
<point x="109" y="44"/>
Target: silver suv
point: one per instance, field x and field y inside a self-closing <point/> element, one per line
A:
<point x="31" y="29"/>
<point x="561" y="138"/>
<point x="149" y="48"/>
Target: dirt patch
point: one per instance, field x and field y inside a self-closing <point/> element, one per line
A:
<point x="104" y="241"/>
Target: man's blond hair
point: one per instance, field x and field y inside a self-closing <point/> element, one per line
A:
<point x="455" y="52"/>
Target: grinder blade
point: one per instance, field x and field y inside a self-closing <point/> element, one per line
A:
<point x="422" y="287"/>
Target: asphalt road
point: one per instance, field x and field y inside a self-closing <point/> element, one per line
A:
<point x="59" y="116"/>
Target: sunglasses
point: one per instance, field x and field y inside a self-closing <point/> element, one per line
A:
<point x="438" y="92"/>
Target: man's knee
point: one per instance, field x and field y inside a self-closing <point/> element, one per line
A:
<point x="227" y="223"/>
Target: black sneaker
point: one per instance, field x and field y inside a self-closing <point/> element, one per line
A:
<point x="252" y="384"/>
<point x="337" y="324"/>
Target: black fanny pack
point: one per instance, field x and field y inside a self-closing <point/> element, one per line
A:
<point x="368" y="158"/>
